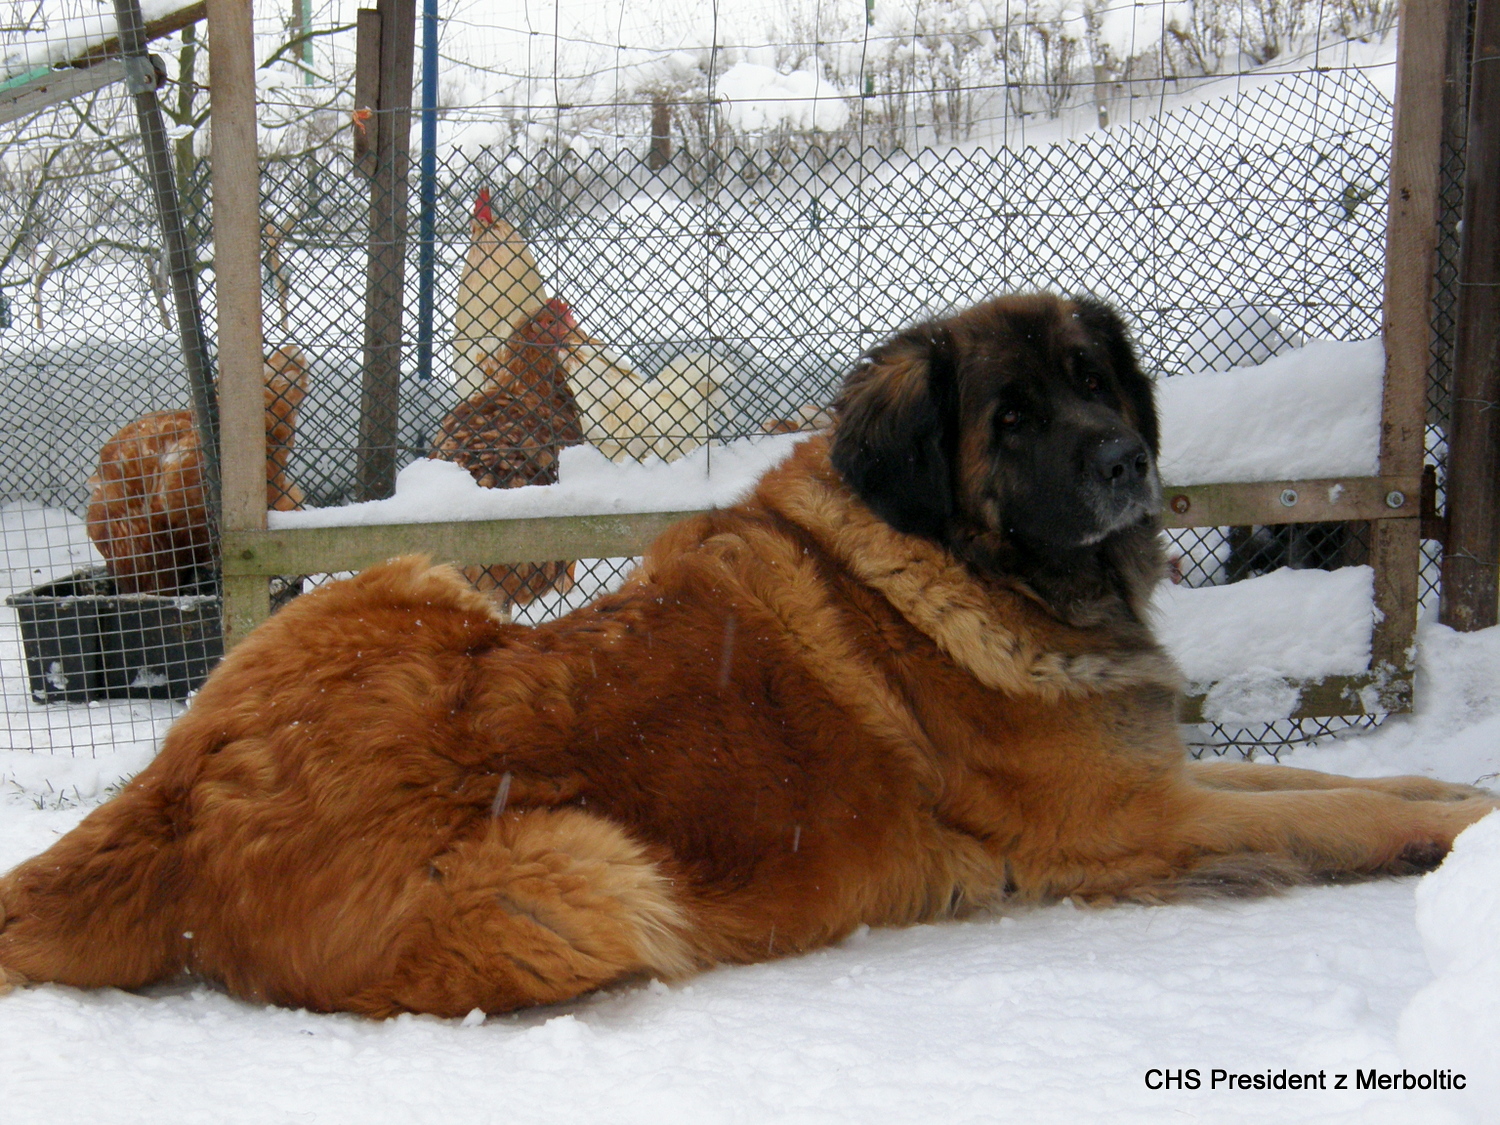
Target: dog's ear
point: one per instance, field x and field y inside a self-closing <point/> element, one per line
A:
<point x="1104" y="325"/>
<point x="896" y="431"/>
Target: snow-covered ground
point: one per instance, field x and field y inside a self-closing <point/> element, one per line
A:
<point x="1043" y="1015"/>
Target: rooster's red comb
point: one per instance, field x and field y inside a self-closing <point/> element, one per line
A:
<point x="482" y="212"/>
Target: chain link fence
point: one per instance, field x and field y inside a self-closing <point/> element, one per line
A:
<point x="648" y="302"/>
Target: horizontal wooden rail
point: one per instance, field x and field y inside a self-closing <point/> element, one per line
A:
<point x="1291" y="501"/>
<point x="327" y="550"/>
<point x="323" y="550"/>
<point x="252" y="557"/>
<point x="1363" y="694"/>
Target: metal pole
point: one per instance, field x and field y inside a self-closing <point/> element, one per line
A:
<point x="306" y="27"/>
<point x="142" y="80"/>
<point x="427" y="190"/>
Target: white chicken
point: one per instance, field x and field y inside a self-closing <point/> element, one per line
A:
<point x="628" y="416"/>
<point x="499" y="290"/>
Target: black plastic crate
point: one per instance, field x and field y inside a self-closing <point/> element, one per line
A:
<point x="84" y="641"/>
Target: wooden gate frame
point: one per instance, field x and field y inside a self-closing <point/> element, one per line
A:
<point x="1391" y="501"/>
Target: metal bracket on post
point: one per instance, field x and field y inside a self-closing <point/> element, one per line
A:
<point x="144" y="74"/>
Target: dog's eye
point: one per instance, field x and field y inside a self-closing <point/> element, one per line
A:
<point x="1010" y="418"/>
<point x="1091" y="384"/>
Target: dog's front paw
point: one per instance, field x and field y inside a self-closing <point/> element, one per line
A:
<point x="1431" y="835"/>
<point x="1419" y="858"/>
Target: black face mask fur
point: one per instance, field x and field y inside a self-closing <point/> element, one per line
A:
<point x="1022" y="435"/>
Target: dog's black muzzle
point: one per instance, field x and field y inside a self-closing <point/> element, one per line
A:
<point x="1120" y="485"/>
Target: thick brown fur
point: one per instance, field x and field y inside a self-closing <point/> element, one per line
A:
<point x="792" y="720"/>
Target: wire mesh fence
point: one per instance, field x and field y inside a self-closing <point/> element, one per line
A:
<point x="680" y="282"/>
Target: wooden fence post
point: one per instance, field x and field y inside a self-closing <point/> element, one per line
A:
<point x="380" y="394"/>
<point x="235" y="168"/>
<point x="1411" y="244"/>
<point x="1471" y="560"/>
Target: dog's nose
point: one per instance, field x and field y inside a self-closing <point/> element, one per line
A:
<point x="1121" y="460"/>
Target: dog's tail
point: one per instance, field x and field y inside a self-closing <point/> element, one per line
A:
<point x="95" y="909"/>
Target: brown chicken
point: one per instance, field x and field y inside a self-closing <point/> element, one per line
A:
<point x="509" y="433"/>
<point x="147" y="513"/>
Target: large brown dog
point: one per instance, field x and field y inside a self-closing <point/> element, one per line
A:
<point x="908" y="677"/>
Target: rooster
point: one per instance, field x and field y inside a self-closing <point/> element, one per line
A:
<point x="499" y="289"/>
<point x="147" y="513"/>
<point x="509" y="433"/>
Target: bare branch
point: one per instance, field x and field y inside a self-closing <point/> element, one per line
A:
<point x="298" y="40"/>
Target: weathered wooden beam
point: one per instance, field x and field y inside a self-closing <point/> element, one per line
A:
<point x="236" y="186"/>
<point x="28" y="93"/>
<point x="1291" y="501"/>
<point x="254" y="556"/>
<point x="1411" y="246"/>
<point x="380" y="390"/>
<point x="322" y="550"/>
<point x="366" y="89"/>
<point x="1364" y="694"/>
<point x="247" y="602"/>
<point x="1471" y="562"/>
<point x="158" y="28"/>
<point x="329" y="549"/>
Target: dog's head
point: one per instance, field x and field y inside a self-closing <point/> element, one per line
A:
<point x="1024" y="422"/>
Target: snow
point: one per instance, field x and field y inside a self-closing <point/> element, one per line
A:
<point x="1309" y="413"/>
<point x="762" y="98"/>
<point x="1042" y="1015"/>
<point x="588" y="484"/>
<point x="1455" y="1020"/>
<point x="1304" y="623"/>
<point x="70" y="30"/>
